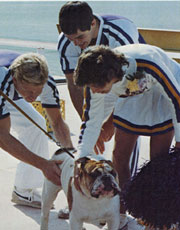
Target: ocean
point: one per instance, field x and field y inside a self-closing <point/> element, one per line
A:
<point x="35" y="21"/>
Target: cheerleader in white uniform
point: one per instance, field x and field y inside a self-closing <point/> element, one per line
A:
<point x="147" y="84"/>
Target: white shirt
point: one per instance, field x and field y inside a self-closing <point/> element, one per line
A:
<point x="161" y="72"/>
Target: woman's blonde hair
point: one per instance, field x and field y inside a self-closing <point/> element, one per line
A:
<point x="31" y="68"/>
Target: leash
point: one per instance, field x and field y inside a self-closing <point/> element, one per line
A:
<point x="35" y="123"/>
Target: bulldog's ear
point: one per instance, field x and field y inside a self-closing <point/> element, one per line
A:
<point x="79" y="166"/>
<point x="82" y="161"/>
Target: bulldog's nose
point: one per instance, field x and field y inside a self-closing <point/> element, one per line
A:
<point x="107" y="182"/>
<point x="110" y="184"/>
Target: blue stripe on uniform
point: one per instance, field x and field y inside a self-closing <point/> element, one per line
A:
<point x="51" y="83"/>
<point x="145" y="130"/>
<point x="134" y="158"/>
<point x="117" y="28"/>
<point x="164" y="80"/>
<point x="3" y="84"/>
<point x="115" y="36"/>
<point x="63" y="55"/>
<point x="85" y="116"/>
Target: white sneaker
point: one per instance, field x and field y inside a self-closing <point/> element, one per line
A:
<point x="26" y="197"/>
<point x="127" y="222"/>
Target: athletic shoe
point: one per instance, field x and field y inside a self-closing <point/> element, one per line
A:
<point x="63" y="213"/>
<point x="28" y="197"/>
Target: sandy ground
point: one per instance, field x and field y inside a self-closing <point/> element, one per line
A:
<point x="13" y="217"/>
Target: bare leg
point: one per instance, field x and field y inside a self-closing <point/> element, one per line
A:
<point x="160" y="144"/>
<point x="124" y="145"/>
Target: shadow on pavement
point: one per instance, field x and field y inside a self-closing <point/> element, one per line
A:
<point x="54" y="222"/>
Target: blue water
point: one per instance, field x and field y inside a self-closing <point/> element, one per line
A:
<point x="36" y="21"/>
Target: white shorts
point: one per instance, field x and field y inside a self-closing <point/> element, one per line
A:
<point x="144" y="114"/>
<point x="27" y="176"/>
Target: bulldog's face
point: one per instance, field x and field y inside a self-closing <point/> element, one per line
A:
<point x="96" y="178"/>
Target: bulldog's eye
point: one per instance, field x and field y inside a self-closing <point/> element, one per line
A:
<point x="95" y="174"/>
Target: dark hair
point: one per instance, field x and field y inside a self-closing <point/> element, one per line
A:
<point x="98" y="65"/>
<point x="75" y="15"/>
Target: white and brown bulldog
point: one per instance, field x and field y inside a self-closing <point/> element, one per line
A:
<point x="92" y="191"/>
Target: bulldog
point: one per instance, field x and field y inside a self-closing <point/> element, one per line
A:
<point x="92" y="190"/>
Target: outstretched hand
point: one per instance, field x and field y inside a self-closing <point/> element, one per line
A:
<point x="52" y="172"/>
<point x="106" y="134"/>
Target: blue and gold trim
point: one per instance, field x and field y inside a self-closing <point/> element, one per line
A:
<point x="145" y="130"/>
<point x="86" y="108"/>
<point x="164" y="80"/>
